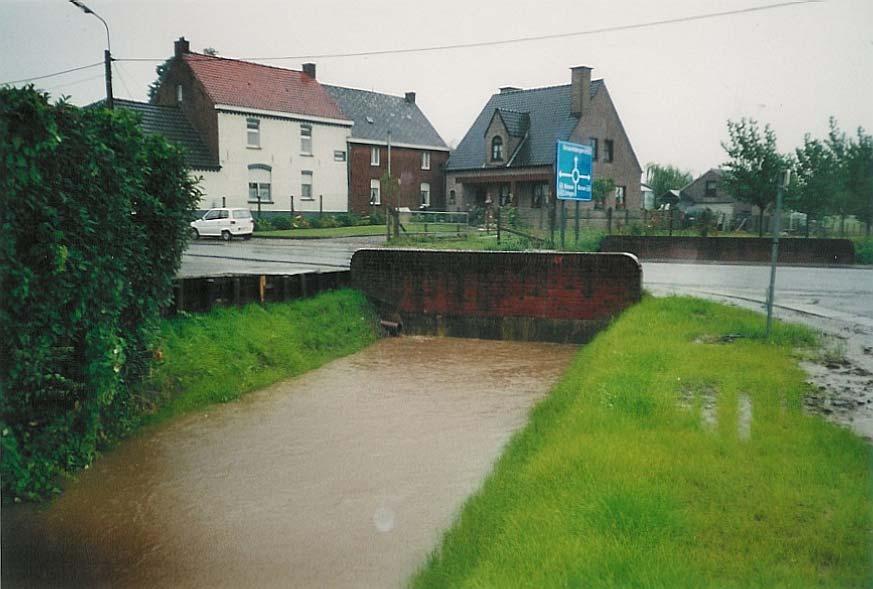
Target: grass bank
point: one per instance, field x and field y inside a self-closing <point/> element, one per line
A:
<point x="359" y="231"/>
<point x="671" y="456"/>
<point x="218" y="356"/>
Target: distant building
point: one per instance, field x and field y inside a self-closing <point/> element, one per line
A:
<point x="418" y="153"/>
<point x="508" y="155"/>
<point x="647" y="197"/>
<point x="708" y="192"/>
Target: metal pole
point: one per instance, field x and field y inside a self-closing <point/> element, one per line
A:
<point x="563" y="223"/>
<point x="774" y="256"/>
<point x="107" y="65"/>
<point x="576" y="228"/>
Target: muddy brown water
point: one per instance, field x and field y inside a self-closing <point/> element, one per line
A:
<point x="344" y="477"/>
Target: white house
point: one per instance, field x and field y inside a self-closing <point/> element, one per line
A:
<point x="272" y="135"/>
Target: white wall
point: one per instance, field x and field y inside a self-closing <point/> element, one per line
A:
<point x="279" y="149"/>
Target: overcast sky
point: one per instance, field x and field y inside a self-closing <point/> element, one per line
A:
<point x="674" y="85"/>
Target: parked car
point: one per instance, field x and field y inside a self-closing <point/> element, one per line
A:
<point x="224" y="223"/>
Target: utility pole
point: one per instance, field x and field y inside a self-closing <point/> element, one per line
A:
<point x="107" y="54"/>
<point x="774" y="255"/>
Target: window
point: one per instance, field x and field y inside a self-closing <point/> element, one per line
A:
<point x="620" y="197"/>
<point x="425" y="160"/>
<point x="212" y="215"/>
<point x="451" y="197"/>
<point x="306" y="185"/>
<point x="594" y="150"/>
<point x="253" y="127"/>
<point x="539" y="195"/>
<point x="425" y="194"/>
<point x="224" y="214"/>
<point x="710" y="188"/>
<point x="375" y="198"/>
<point x="260" y="183"/>
<point x="179" y="93"/>
<point x="339" y="156"/>
<point x="497" y="149"/>
<point x="608" y="148"/>
<point x="242" y="214"/>
<point x="374" y="156"/>
<point x="306" y="139"/>
<point x="504" y="196"/>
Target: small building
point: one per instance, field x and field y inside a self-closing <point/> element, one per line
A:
<point x="508" y="155"/>
<point x="391" y="133"/>
<point x="271" y="133"/>
<point x="707" y="192"/>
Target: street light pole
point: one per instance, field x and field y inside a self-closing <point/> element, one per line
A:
<point x="107" y="54"/>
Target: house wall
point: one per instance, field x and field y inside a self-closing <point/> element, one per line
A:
<point x="497" y="128"/>
<point x="498" y="295"/>
<point x="279" y="149"/>
<point x="405" y="165"/>
<point x="602" y="122"/>
<point x="696" y="191"/>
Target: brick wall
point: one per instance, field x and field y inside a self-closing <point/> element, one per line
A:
<point x="196" y="104"/>
<point x="733" y="249"/>
<point x="565" y="297"/>
<point x="405" y="165"/>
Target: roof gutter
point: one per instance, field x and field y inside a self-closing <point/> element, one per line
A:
<point x="282" y="115"/>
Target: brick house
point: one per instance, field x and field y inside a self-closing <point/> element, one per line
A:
<point x="417" y="152"/>
<point x="508" y="155"/>
<point x="270" y="133"/>
<point x="707" y="192"/>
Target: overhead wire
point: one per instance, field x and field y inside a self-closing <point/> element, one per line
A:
<point x="34" y="78"/>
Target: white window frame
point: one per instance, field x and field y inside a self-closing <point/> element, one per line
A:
<point x="425" y="160"/>
<point x="621" y="197"/>
<point x="375" y="156"/>
<point x="339" y="156"/>
<point x="375" y="191"/>
<point x="179" y="93"/>
<point x="262" y="186"/>
<point x="306" y="139"/>
<point x="425" y="193"/>
<point x="253" y="133"/>
<point x="303" y="176"/>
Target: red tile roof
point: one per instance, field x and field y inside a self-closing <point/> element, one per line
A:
<point x="251" y="85"/>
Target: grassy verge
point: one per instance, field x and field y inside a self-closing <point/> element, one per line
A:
<point x="641" y="470"/>
<point x="218" y="356"/>
<point x="357" y="231"/>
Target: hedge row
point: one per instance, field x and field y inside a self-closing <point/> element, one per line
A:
<point x="93" y="225"/>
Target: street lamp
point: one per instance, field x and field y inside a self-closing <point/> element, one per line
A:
<point x="107" y="54"/>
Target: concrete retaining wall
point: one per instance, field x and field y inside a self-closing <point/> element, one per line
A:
<point x="732" y="249"/>
<point x="562" y="297"/>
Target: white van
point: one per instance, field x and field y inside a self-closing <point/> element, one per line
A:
<point x="224" y="223"/>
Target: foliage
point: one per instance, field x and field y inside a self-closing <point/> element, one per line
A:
<point x="666" y="457"/>
<point x="95" y="219"/>
<point x="662" y="178"/>
<point x="816" y="178"/>
<point x="300" y="222"/>
<point x="377" y="218"/>
<point x="601" y="189"/>
<point x="210" y="51"/>
<point x="262" y="224"/>
<point x="864" y="250"/>
<point x="281" y="222"/>
<point x="755" y="167"/>
<point x="162" y="71"/>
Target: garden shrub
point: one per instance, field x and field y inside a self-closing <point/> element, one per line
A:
<point x="281" y="223"/>
<point x="300" y="222"/>
<point x="263" y="224"/>
<point x="94" y="222"/>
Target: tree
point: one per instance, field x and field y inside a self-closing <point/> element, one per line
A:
<point x="161" y="70"/>
<point x="753" y="172"/>
<point x="210" y="51"/>
<point x="859" y="177"/>
<point x="662" y="178"/>
<point x="601" y="189"/>
<point x="814" y="181"/>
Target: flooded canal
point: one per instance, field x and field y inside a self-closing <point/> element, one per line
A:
<point x="344" y="477"/>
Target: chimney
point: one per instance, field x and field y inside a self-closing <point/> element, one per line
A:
<point x="181" y="47"/>
<point x="580" y="90"/>
<point x="410" y="97"/>
<point x="309" y="70"/>
<point x="508" y="89"/>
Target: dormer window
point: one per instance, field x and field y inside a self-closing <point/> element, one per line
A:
<point x="179" y="93"/>
<point x="497" y="149"/>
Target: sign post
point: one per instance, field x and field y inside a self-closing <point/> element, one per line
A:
<point x="572" y="178"/>
<point x="774" y="253"/>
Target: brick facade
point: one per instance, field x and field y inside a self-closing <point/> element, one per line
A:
<point x="405" y="165"/>
<point x="733" y="249"/>
<point x="499" y="295"/>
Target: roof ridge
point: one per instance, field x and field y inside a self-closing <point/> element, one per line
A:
<point x="219" y="57"/>
<point x="540" y="88"/>
<point x="397" y="96"/>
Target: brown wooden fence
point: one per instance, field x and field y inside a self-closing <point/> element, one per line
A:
<point x="201" y="294"/>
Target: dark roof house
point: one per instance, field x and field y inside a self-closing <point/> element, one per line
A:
<point x="508" y="154"/>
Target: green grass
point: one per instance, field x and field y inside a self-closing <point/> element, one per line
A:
<point x="218" y="356"/>
<point x="618" y="481"/>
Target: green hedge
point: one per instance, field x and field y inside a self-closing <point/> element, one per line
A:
<point x="94" y="218"/>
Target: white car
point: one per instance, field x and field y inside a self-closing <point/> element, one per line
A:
<point x="224" y="223"/>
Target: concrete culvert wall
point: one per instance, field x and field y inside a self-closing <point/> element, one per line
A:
<point x="732" y="249"/>
<point x="540" y="296"/>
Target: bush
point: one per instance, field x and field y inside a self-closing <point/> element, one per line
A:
<point x="263" y="224"/>
<point x="328" y="221"/>
<point x="281" y="223"/>
<point x="300" y="222"/>
<point x="95" y="219"/>
<point x="377" y="218"/>
<point x="348" y="219"/>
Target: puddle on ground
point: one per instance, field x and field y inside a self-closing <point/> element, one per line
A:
<point x="344" y="477"/>
<point x="744" y="417"/>
<point x="843" y="394"/>
<point x="706" y="399"/>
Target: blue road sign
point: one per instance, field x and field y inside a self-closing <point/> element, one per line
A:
<point x="573" y="171"/>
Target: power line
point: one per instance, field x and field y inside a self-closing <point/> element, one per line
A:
<point x="597" y="31"/>
<point x="75" y="69"/>
<point x="120" y="77"/>
<point x="74" y="82"/>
